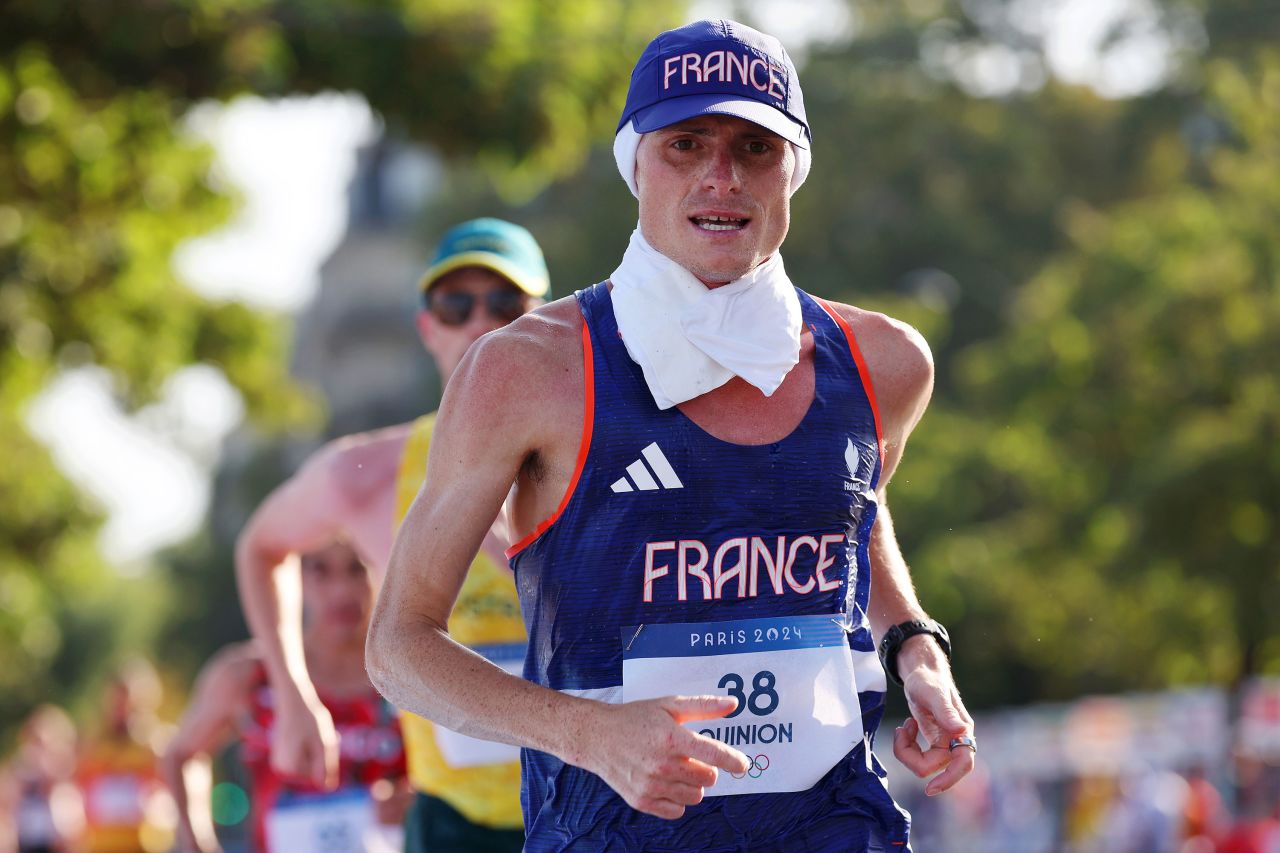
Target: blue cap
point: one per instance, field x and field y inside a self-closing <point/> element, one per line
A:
<point x="493" y="244"/>
<point x="717" y="67"/>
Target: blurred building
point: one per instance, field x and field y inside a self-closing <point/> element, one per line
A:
<point x="355" y="343"/>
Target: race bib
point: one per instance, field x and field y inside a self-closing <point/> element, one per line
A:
<point x="461" y="750"/>
<point x="798" y="711"/>
<point x="340" y="822"/>
<point x="116" y="799"/>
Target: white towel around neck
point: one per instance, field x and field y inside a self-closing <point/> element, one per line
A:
<point x="690" y="339"/>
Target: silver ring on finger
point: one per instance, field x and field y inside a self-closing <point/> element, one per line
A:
<point x="963" y="740"/>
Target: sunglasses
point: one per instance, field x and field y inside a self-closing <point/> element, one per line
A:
<point x="454" y="309"/>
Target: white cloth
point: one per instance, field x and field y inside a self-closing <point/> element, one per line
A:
<point x="628" y="140"/>
<point x="689" y="339"/>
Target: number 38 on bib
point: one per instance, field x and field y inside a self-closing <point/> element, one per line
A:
<point x="798" y="711"/>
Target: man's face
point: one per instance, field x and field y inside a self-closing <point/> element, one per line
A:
<point x="695" y="175"/>
<point x="464" y="305"/>
<point x="337" y="591"/>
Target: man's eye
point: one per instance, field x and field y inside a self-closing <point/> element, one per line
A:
<point x="682" y="144"/>
<point x="757" y="146"/>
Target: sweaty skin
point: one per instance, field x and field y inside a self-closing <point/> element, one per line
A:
<point x="345" y="491"/>
<point x="516" y="415"/>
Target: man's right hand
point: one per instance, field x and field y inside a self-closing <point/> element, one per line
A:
<point x="659" y="767"/>
<point x="304" y="743"/>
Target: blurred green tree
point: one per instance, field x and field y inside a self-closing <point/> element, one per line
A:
<point x="1102" y="489"/>
<point x="519" y="86"/>
<point x="99" y="184"/>
<point x="95" y="193"/>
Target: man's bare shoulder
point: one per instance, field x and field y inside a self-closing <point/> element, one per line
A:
<point x="548" y="335"/>
<point x="232" y="670"/>
<point x="359" y="466"/>
<point x="523" y="383"/>
<point x="541" y="350"/>
<point x="899" y="359"/>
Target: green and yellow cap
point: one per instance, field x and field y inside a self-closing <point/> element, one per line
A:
<point x="494" y="244"/>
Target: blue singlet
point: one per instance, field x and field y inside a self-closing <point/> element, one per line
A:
<point x="654" y="476"/>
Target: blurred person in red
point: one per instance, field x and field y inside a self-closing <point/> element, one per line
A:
<point x="1203" y="813"/>
<point x="127" y="807"/>
<point x="1253" y="835"/>
<point x="42" y="809"/>
<point x="234" y="699"/>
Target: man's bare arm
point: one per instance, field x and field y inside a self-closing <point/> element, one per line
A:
<point x="490" y="423"/>
<point x="221" y="690"/>
<point x="302" y="514"/>
<point x="325" y="500"/>
<point x="901" y="367"/>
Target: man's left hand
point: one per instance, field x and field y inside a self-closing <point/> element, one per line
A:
<point x="938" y="713"/>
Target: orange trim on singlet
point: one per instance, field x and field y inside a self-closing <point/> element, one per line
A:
<point x="588" y="417"/>
<point x="865" y="374"/>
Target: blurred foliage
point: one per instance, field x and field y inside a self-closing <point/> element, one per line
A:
<point x="95" y="194"/>
<point x="523" y="88"/>
<point x="1091" y="503"/>
<point x="1108" y="469"/>
<point x="99" y="183"/>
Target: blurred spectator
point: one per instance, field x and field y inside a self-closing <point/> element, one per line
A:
<point x="127" y="808"/>
<point x="1253" y="835"/>
<point x="234" y="699"/>
<point x="1147" y="814"/>
<point x="1021" y="823"/>
<point x="1088" y="804"/>
<point x="39" y="806"/>
<point x="1204" y="813"/>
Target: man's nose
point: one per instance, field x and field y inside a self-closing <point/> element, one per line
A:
<point x="722" y="174"/>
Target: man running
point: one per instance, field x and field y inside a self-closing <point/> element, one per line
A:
<point x="700" y="454"/>
<point x="233" y="699"/>
<point x="485" y="273"/>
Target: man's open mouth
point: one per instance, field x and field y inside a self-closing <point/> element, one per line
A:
<point x="719" y="223"/>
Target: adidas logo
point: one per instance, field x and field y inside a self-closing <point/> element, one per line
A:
<point x="641" y="476"/>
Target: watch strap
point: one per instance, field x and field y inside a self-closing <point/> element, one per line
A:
<point x="893" y="639"/>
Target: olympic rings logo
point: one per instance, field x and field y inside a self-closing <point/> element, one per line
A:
<point x="759" y="764"/>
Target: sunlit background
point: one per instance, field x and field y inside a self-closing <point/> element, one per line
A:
<point x="212" y="214"/>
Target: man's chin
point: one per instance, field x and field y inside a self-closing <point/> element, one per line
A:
<point x="715" y="276"/>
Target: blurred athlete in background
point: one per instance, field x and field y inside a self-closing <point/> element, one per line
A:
<point x="485" y="273"/>
<point x="127" y="807"/>
<point x="234" y="700"/>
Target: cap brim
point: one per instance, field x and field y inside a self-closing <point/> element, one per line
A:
<point x="534" y="285"/>
<point x="668" y="112"/>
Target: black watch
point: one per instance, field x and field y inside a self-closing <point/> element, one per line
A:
<point x="893" y="639"/>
